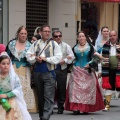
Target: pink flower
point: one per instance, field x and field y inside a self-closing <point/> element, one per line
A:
<point x="2" y="48"/>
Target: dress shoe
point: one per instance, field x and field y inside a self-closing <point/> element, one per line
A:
<point x="106" y="109"/>
<point x="85" y="113"/>
<point x="60" y="112"/>
<point x="44" y="118"/>
<point x="76" y="112"/>
<point x="52" y="113"/>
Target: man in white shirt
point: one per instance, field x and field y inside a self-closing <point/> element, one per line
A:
<point x="111" y="67"/>
<point x="61" y="70"/>
<point x="45" y="54"/>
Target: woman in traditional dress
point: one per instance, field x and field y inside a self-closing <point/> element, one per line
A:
<point x="17" y="49"/>
<point x="12" y="104"/>
<point x="103" y="37"/>
<point x="83" y="92"/>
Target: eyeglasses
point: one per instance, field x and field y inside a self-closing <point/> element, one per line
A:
<point x="56" y="36"/>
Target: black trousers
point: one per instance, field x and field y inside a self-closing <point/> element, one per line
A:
<point x="112" y="79"/>
<point x="61" y="78"/>
<point x="45" y="88"/>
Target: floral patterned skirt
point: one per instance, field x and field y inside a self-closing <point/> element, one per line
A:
<point x="30" y="96"/>
<point x="83" y="92"/>
<point x="13" y="114"/>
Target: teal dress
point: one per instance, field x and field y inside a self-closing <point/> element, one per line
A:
<point x="82" y="57"/>
<point x="18" y="57"/>
<point x="83" y="92"/>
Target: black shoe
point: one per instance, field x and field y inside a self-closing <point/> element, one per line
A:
<point x="43" y="119"/>
<point x="76" y="112"/>
<point x="52" y="113"/>
<point x="60" y="112"/>
<point x="85" y="113"/>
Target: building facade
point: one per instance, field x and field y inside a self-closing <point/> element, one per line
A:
<point x="69" y="16"/>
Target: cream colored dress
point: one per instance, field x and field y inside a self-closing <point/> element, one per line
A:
<point x="22" y="68"/>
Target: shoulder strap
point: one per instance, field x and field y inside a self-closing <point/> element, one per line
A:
<point x="53" y="44"/>
<point x="44" y="47"/>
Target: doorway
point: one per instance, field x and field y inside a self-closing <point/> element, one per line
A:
<point x="89" y="23"/>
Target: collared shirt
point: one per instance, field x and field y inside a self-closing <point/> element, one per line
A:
<point x="113" y="49"/>
<point x="30" y="55"/>
<point x="69" y="52"/>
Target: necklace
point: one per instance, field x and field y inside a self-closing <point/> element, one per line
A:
<point x="82" y="48"/>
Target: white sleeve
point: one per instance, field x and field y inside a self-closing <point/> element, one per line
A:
<point x="57" y="55"/>
<point x="96" y="44"/>
<point x="30" y="55"/>
<point x="69" y="53"/>
<point x="99" y="68"/>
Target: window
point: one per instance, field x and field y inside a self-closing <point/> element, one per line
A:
<point x="36" y="14"/>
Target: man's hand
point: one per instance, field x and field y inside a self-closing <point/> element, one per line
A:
<point x="118" y="55"/>
<point x="32" y="55"/>
<point x="38" y="59"/>
<point x="68" y="57"/>
<point x="3" y="96"/>
<point x="99" y="75"/>
<point x="43" y="58"/>
<point x="62" y="62"/>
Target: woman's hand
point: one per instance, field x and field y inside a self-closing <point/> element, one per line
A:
<point x="3" y="96"/>
<point x="98" y="55"/>
<point x="87" y="66"/>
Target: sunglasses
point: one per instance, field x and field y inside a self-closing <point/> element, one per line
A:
<point x="56" y="36"/>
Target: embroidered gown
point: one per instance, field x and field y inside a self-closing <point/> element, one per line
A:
<point x="83" y="92"/>
<point x="22" y="68"/>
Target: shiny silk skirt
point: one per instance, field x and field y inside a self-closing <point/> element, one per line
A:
<point x="83" y="92"/>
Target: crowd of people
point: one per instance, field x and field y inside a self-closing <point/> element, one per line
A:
<point x="90" y="85"/>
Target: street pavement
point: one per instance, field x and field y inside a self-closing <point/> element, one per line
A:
<point x="113" y="114"/>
